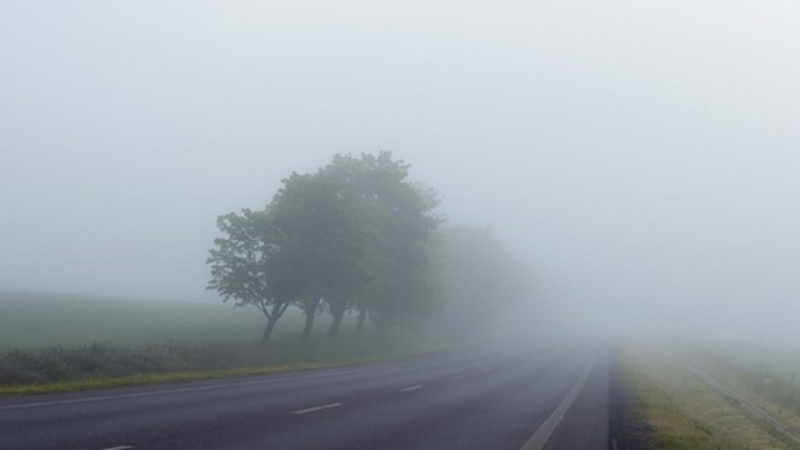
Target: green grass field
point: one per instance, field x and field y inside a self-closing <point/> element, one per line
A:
<point x="33" y="321"/>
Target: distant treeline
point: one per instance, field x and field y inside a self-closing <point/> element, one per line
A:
<point x="357" y="235"/>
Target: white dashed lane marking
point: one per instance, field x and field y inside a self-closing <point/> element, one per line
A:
<point x="317" y="408"/>
<point x="412" y="388"/>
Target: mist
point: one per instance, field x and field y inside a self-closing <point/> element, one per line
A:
<point x="641" y="159"/>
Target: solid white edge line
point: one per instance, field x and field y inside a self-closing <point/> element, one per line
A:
<point x="412" y="388"/>
<point x="316" y="408"/>
<point x="121" y="447"/>
<point x="540" y="437"/>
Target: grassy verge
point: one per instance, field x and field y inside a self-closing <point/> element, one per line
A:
<point x="771" y="389"/>
<point x="155" y="378"/>
<point x="59" y="369"/>
<point x="152" y="378"/>
<point x="684" y="413"/>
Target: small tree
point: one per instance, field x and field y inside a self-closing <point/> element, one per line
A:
<point x="243" y="265"/>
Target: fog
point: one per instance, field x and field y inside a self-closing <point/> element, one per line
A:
<point x="641" y="157"/>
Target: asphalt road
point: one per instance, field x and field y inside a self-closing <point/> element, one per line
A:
<point x="486" y="398"/>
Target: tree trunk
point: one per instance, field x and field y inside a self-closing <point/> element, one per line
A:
<point x="310" y="311"/>
<point x="268" y="329"/>
<point x="277" y="310"/>
<point x="362" y="315"/>
<point x="337" y="311"/>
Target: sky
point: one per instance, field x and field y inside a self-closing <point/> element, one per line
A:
<point x="641" y="157"/>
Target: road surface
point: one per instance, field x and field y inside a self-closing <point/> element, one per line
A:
<point x="487" y="398"/>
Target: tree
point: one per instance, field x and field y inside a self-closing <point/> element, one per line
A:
<point x="402" y="222"/>
<point x="299" y="211"/>
<point x="481" y="279"/>
<point x="326" y="238"/>
<point x="242" y="265"/>
<point x="355" y="233"/>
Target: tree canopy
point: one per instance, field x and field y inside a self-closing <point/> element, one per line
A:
<point x="356" y="233"/>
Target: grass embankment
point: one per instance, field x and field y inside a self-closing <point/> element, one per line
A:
<point x="123" y="343"/>
<point x="764" y="375"/>
<point x="683" y="412"/>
